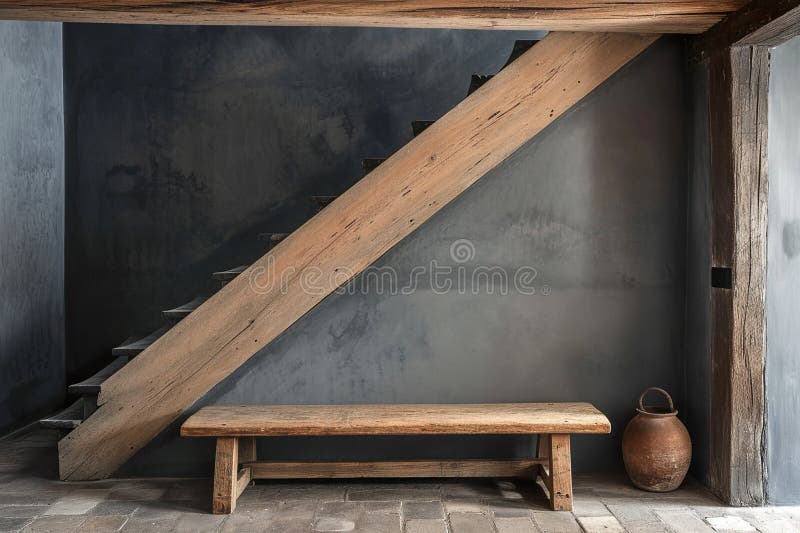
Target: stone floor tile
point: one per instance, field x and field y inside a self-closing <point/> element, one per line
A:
<point x="589" y="507"/>
<point x="768" y="521"/>
<point x="422" y="510"/>
<point x="78" y="502"/>
<point x="296" y="511"/>
<point x="600" y="524"/>
<point x="683" y="521"/>
<point x="14" y="523"/>
<point x="55" y="524"/>
<point x="342" y="509"/>
<point x="556" y="522"/>
<point x="322" y="493"/>
<point x="113" y="507"/>
<point x="465" y="505"/>
<point x="290" y="525"/>
<point x="729" y="522"/>
<point x="511" y="509"/>
<point x="135" y="494"/>
<point x="332" y="523"/>
<point x="396" y="493"/>
<point x="477" y="488"/>
<point x="149" y="526"/>
<point x="379" y="523"/>
<point x="22" y="511"/>
<point x="636" y="518"/>
<point x="198" y="523"/>
<point x="257" y="521"/>
<point x="29" y="498"/>
<point x="515" y="525"/>
<point x="104" y="524"/>
<point x="156" y="511"/>
<point x="426" y="526"/>
<point x="470" y="523"/>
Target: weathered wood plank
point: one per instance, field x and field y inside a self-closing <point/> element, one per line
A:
<point x="395" y="419"/>
<point x="393" y="469"/>
<point x="247" y="449"/>
<point x="738" y="113"/>
<point x="644" y="16"/>
<point x="226" y="476"/>
<point x="759" y="23"/>
<point x="356" y="229"/>
<point x="560" y="473"/>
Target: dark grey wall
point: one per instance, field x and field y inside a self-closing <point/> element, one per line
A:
<point x="182" y="147"/>
<point x="783" y="278"/>
<point x="697" y="405"/>
<point x="31" y="221"/>
<point x="187" y="144"/>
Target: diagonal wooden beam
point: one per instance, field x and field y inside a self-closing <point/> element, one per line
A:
<point x="651" y="16"/>
<point x="152" y="391"/>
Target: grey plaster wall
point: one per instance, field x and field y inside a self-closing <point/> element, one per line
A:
<point x="183" y="143"/>
<point x="697" y="404"/>
<point x="31" y="221"/>
<point x="783" y="277"/>
<point x="180" y="157"/>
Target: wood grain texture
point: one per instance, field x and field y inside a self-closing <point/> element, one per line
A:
<point x="759" y="23"/>
<point x="395" y="419"/>
<point x="738" y="112"/>
<point x="226" y="476"/>
<point x="394" y="469"/>
<point x="247" y="449"/>
<point x="152" y="391"/>
<point x="560" y="473"/>
<point x="642" y="16"/>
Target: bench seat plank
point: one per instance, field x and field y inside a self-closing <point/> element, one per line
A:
<point x="395" y="419"/>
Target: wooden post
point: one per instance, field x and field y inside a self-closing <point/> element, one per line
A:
<point x="737" y="52"/>
<point x="226" y="475"/>
<point x="560" y="473"/>
<point x="247" y="449"/>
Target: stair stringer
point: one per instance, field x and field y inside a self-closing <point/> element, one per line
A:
<point x="152" y="391"/>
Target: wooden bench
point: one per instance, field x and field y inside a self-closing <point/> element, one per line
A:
<point x="236" y="428"/>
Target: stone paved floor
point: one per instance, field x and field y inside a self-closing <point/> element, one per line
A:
<point x="32" y="500"/>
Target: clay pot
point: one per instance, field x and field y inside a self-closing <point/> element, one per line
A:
<point x="656" y="447"/>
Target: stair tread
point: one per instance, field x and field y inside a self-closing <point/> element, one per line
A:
<point x="183" y="310"/>
<point x="418" y="126"/>
<point x="91" y="385"/>
<point x="272" y="238"/>
<point x="68" y="418"/>
<point x="369" y="164"/>
<point x="324" y="201"/>
<point x="227" y="275"/>
<point x="132" y="349"/>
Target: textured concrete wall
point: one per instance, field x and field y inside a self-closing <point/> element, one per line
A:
<point x="783" y="278"/>
<point x="182" y="148"/>
<point x="697" y="406"/>
<point x="31" y="221"/>
<point x="177" y="159"/>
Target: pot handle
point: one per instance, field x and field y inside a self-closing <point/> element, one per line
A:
<point x="657" y="389"/>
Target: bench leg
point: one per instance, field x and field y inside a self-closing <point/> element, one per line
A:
<point x="229" y="481"/>
<point x="247" y="449"/>
<point x="558" y="477"/>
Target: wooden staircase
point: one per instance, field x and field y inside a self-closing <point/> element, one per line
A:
<point x="88" y="390"/>
<point x="151" y="381"/>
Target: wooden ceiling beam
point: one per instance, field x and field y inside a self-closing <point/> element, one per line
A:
<point x="760" y="23"/>
<point x="639" y="16"/>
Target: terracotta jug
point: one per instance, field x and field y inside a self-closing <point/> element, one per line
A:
<point x="656" y="447"/>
